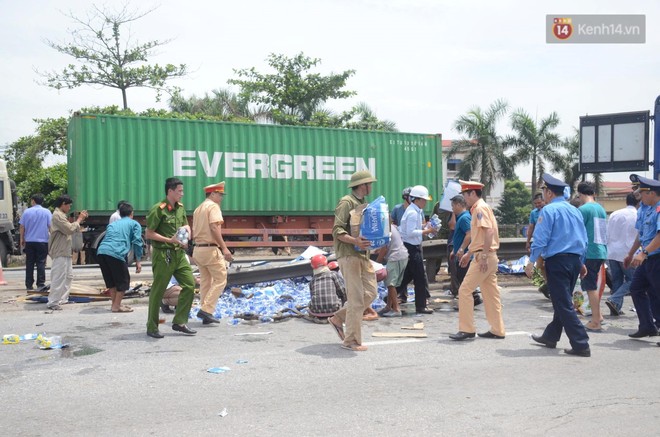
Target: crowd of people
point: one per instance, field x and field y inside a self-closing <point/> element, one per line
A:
<point x="564" y="241"/>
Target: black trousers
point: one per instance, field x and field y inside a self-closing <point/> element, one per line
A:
<point x="415" y="272"/>
<point x="35" y="254"/>
<point x="562" y="272"/>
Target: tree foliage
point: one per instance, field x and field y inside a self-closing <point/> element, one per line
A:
<point x="222" y="104"/>
<point x="482" y="146"/>
<point x="104" y="56"/>
<point x="535" y="143"/>
<point x="294" y="94"/>
<point x="515" y="205"/>
<point x="50" y="181"/>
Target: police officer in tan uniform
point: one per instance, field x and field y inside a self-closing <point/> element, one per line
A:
<point x="210" y="251"/>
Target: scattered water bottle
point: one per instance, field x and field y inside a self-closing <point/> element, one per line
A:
<point x="234" y="322"/>
<point x="182" y="235"/>
<point x="266" y="319"/>
<point x="11" y="339"/>
<point x="434" y="223"/>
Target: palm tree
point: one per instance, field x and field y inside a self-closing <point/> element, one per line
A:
<point x="535" y="143"/>
<point x="482" y="146"/>
<point x="361" y="116"/>
<point x="221" y="103"/>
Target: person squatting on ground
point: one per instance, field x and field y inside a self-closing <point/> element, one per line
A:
<point x="460" y="242"/>
<point x="327" y="289"/>
<point x="396" y="257"/>
<point x="211" y="252"/>
<point x="412" y="233"/>
<point x="595" y="221"/>
<point x="560" y="239"/>
<point x="169" y="258"/>
<point x="60" y="250"/>
<point x="482" y="272"/>
<point x="645" y="285"/>
<point x="33" y="239"/>
<point x="359" y="274"/>
<point x="120" y="237"/>
<point x="621" y="234"/>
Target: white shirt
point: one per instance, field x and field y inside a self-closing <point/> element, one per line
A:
<point x="397" y="251"/>
<point x="114" y="217"/>
<point x="411" y="225"/>
<point x="621" y="232"/>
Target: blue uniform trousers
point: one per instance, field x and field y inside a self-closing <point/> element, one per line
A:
<point x="562" y="271"/>
<point x="645" y="293"/>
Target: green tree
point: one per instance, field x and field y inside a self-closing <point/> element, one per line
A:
<point x="104" y="57"/>
<point x="50" y="181"/>
<point x="514" y="207"/>
<point x="482" y="146"/>
<point x="294" y="95"/>
<point x="361" y="116"/>
<point x="223" y="104"/>
<point x="535" y="143"/>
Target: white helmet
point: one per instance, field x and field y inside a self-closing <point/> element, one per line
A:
<point x="420" y="192"/>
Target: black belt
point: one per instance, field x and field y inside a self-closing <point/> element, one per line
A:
<point x="206" y="245"/>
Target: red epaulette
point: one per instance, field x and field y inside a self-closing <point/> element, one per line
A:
<point x="657" y="208"/>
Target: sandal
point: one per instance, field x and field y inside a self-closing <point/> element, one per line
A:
<point x="339" y="329"/>
<point x="354" y="347"/>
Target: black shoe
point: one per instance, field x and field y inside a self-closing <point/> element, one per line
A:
<point x="477" y="299"/>
<point x="460" y="335"/>
<point x="166" y="309"/>
<point x="642" y="334"/>
<point x="425" y="311"/>
<point x="583" y="353"/>
<point x="155" y="334"/>
<point x="206" y="317"/>
<point x="184" y="329"/>
<point x="489" y="334"/>
<point x="543" y="341"/>
<point x="614" y="311"/>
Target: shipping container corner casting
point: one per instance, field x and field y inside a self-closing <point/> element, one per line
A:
<point x="280" y="180"/>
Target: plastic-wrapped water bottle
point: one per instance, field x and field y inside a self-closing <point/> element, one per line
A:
<point x="11" y="339"/>
<point x="266" y="319"/>
<point x="435" y="223"/>
<point x="182" y="235"/>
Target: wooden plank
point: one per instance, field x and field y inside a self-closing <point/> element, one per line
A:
<point x="400" y="334"/>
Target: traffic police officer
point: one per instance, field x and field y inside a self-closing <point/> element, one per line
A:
<point x="645" y="286"/>
<point x="560" y="238"/>
<point x="169" y="258"/>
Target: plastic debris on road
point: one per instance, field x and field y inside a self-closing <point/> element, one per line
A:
<point x="223" y="413"/>
<point x="267" y="302"/>
<point x="218" y="369"/>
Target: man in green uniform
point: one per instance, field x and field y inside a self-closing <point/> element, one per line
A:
<point x="169" y="258"/>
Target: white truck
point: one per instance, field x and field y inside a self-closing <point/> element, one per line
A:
<point x="8" y="216"/>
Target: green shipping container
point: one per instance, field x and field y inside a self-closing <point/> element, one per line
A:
<point x="268" y="169"/>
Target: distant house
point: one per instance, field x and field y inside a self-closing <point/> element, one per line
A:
<point x="452" y="166"/>
<point x="614" y="195"/>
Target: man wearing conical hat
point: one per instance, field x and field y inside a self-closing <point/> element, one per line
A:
<point x="359" y="275"/>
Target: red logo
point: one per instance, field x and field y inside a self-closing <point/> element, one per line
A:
<point x="562" y="28"/>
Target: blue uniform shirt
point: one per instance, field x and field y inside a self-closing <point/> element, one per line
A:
<point x="559" y="229"/>
<point x="397" y="213"/>
<point x="534" y="216"/>
<point x="463" y="223"/>
<point x="649" y="225"/>
<point x="119" y="237"/>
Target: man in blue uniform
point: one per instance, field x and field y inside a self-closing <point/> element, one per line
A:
<point x="645" y="286"/>
<point x="560" y="238"/>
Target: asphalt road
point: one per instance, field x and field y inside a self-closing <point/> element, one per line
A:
<point x="292" y="377"/>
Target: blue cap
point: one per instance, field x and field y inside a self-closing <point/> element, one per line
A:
<point x="645" y="184"/>
<point x="553" y="183"/>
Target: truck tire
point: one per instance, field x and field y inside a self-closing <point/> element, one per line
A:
<point x="4" y="253"/>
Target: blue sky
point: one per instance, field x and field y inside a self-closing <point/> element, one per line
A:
<point x="419" y="63"/>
